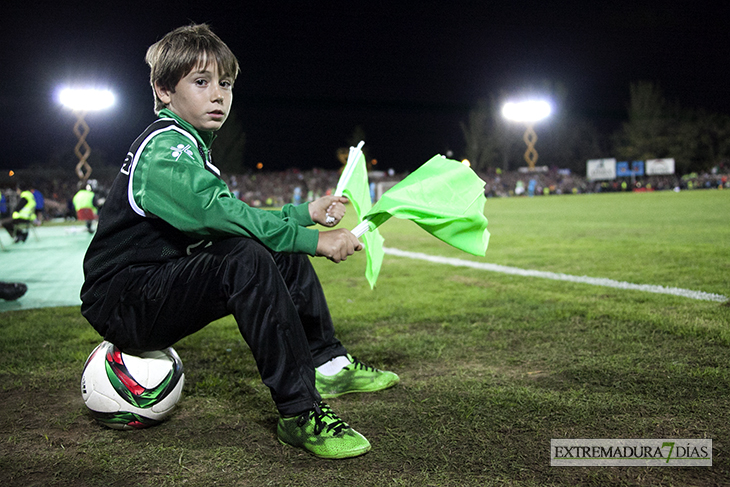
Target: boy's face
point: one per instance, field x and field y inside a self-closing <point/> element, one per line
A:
<point x="202" y="98"/>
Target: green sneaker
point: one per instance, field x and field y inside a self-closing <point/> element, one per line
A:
<point x="322" y="433"/>
<point x="356" y="377"/>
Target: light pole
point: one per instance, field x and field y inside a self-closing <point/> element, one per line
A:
<point x="528" y="112"/>
<point x="81" y="101"/>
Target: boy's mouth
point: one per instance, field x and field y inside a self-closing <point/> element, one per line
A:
<point x="216" y="114"/>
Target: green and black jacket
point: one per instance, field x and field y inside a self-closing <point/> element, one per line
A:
<point x="169" y="200"/>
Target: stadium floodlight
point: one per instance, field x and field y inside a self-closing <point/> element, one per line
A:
<point x="86" y="99"/>
<point x="81" y="101"/>
<point x="528" y="112"/>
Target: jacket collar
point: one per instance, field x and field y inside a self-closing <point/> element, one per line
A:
<point x="205" y="138"/>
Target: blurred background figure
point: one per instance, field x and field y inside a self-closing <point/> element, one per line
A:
<point x="40" y="205"/>
<point x="23" y="215"/>
<point x="3" y="206"/>
<point x="85" y="205"/>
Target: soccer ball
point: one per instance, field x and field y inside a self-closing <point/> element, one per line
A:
<point x="125" y="391"/>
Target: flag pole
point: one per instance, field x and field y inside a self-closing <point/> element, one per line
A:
<point x="349" y="168"/>
<point x="347" y="173"/>
<point x="362" y="227"/>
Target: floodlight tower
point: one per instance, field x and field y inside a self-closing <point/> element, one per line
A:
<point x="81" y="101"/>
<point x="528" y="112"/>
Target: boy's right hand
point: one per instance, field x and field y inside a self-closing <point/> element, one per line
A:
<point x="337" y="245"/>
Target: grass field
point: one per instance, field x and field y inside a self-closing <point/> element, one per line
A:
<point x="492" y="365"/>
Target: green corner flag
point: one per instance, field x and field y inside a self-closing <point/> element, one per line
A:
<point x="354" y="184"/>
<point x="445" y="198"/>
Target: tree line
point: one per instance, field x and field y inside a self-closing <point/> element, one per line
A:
<point x="655" y="128"/>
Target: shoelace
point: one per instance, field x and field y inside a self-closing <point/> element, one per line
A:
<point x="321" y="412"/>
<point x="360" y="365"/>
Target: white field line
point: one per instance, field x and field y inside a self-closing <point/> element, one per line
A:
<point x="594" y="281"/>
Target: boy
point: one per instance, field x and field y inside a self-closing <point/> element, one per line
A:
<point x="174" y="251"/>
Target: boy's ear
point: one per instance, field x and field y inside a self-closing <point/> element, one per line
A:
<point x="163" y="94"/>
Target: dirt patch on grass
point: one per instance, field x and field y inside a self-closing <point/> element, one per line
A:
<point x="38" y="426"/>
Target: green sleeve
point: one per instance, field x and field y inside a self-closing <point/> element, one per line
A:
<point x="300" y="213"/>
<point x="195" y="201"/>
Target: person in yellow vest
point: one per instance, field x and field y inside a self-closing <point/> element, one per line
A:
<point x="83" y="202"/>
<point x="24" y="212"/>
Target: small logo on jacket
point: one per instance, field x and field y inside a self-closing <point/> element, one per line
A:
<point x="180" y="149"/>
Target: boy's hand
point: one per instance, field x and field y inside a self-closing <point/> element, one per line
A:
<point x="328" y="206"/>
<point x="337" y="245"/>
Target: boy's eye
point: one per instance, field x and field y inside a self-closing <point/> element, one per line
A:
<point x="226" y="83"/>
<point x="201" y="82"/>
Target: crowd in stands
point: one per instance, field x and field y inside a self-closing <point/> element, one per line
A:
<point x="274" y="189"/>
<point x="277" y="189"/>
<point x="557" y="182"/>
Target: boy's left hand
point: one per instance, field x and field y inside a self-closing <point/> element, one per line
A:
<point x="328" y="206"/>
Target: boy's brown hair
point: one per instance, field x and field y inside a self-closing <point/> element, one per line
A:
<point x="171" y="58"/>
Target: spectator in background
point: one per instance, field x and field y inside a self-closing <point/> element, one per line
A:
<point x="24" y="212"/>
<point x="40" y="206"/>
<point x="519" y="188"/>
<point x="84" y="206"/>
<point x="3" y="205"/>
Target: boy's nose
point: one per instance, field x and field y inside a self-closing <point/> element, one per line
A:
<point x="217" y="95"/>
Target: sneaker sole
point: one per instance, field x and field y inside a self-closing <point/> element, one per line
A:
<point x="341" y="455"/>
<point x="333" y="395"/>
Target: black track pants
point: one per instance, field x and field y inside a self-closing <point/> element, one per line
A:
<point x="276" y="299"/>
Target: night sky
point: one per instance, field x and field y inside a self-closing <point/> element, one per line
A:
<point x="407" y="73"/>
